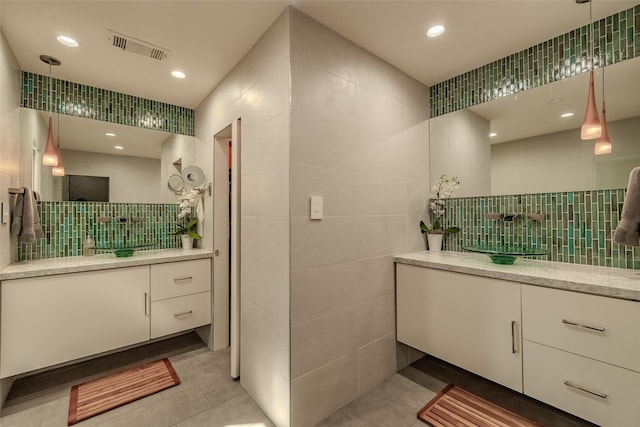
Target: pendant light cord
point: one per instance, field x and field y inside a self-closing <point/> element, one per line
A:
<point x="50" y="90"/>
<point x="593" y="62"/>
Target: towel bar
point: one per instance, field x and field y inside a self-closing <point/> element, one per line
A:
<point x="16" y="190"/>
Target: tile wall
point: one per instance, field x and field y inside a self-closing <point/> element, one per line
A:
<point x="66" y="224"/>
<point x="577" y="226"/>
<point x="617" y="38"/>
<point x="80" y="100"/>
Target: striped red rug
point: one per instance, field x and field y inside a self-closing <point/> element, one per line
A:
<point x="455" y="407"/>
<point x="108" y="392"/>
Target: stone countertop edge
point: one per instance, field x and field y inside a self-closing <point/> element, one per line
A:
<point x="596" y="280"/>
<point x="77" y="264"/>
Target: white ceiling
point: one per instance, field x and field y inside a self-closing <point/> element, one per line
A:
<point x="207" y="38"/>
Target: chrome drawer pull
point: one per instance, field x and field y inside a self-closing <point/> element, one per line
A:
<point x="182" y="278"/>
<point x="513" y="337"/>
<point x="586" y="390"/>
<point x="579" y="325"/>
<point x="184" y="313"/>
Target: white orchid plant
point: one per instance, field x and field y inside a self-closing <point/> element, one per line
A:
<point x="188" y="201"/>
<point x="441" y="190"/>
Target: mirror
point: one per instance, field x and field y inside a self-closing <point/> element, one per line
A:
<point x="135" y="173"/>
<point x="535" y="149"/>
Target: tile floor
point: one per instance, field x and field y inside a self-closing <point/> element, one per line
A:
<point x="207" y="396"/>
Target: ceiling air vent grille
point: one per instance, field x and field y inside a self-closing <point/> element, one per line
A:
<point x="139" y="47"/>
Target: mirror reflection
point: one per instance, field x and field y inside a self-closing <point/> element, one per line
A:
<point x="537" y="147"/>
<point x="103" y="161"/>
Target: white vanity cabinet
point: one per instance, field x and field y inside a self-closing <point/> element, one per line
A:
<point x="54" y="319"/>
<point x="180" y="296"/>
<point x="582" y="354"/>
<point x="470" y="321"/>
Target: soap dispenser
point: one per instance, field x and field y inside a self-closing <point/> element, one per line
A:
<point x="89" y="246"/>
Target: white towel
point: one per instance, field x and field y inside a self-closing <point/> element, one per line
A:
<point x="26" y="219"/>
<point x="200" y="216"/>
<point x="628" y="230"/>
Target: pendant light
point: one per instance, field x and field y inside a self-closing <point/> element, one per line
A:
<point x="591" y="128"/>
<point x="603" y="144"/>
<point x="50" y="157"/>
<point x="58" y="170"/>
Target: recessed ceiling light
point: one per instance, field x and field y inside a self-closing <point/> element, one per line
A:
<point x="435" y="31"/>
<point x="68" y="41"/>
<point x="492" y="134"/>
<point x="178" y="74"/>
<point x="109" y="134"/>
<point x="118" y="147"/>
<point x="566" y="115"/>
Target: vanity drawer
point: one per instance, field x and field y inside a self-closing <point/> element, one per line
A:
<point x="547" y="369"/>
<point x="598" y="327"/>
<point x="179" y="314"/>
<point x="180" y="278"/>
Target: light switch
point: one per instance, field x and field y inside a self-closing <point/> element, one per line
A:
<point x="4" y="209"/>
<point x="316" y="207"/>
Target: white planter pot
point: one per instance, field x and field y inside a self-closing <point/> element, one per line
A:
<point x="435" y="241"/>
<point x="187" y="241"/>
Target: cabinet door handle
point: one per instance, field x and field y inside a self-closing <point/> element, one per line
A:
<point x="580" y="325"/>
<point x="146" y="310"/>
<point x="182" y="278"/>
<point x="586" y="390"/>
<point x="184" y="313"/>
<point x="514" y="349"/>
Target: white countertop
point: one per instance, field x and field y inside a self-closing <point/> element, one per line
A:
<point x="51" y="266"/>
<point x="606" y="281"/>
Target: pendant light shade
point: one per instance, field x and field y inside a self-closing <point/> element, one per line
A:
<point x="50" y="156"/>
<point x="603" y="144"/>
<point x="58" y="170"/>
<point x="591" y="127"/>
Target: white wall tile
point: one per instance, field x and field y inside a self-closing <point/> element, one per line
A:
<point x="379" y="77"/>
<point x="337" y="188"/>
<point x="417" y="151"/>
<point x="378" y="114"/>
<point x="316" y="141"/>
<point x="318" y="46"/>
<point x="416" y="241"/>
<point x="328" y="241"/>
<point x="380" y="195"/>
<point x="270" y="391"/>
<point x="417" y="197"/>
<point x="376" y="362"/>
<point x="380" y="235"/>
<point x="265" y="240"/>
<point x="322" y="340"/>
<point x="268" y="333"/>
<point x="266" y="193"/>
<point x="264" y="146"/>
<point x="318" y="291"/>
<point x="268" y="97"/>
<point x="266" y="287"/>
<point x="323" y="391"/>
<point x="320" y="93"/>
<point x="376" y="318"/>
<point x="375" y="278"/>
<point x="416" y="94"/>
<point x="382" y="155"/>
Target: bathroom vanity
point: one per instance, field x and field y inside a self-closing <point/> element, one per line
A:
<point x="55" y="311"/>
<point x="565" y="334"/>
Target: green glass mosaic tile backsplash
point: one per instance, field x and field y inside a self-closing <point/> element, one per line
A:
<point x="617" y="38"/>
<point x="66" y="224"/>
<point x="75" y="99"/>
<point x="577" y="226"/>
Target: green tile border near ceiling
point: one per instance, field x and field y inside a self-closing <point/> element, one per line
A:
<point x="76" y="99"/>
<point x="617" y="38"/>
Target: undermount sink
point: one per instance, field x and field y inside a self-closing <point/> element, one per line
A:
<point x="505" y="254"/>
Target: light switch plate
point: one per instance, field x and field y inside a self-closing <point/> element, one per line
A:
<point x="4" y="209"/>
<point x="316" y="207"/>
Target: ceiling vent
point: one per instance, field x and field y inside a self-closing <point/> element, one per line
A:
<point x="140" y="47"/>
